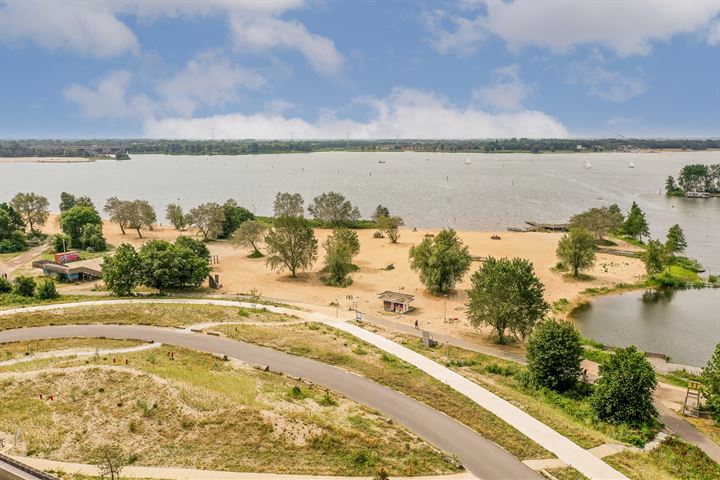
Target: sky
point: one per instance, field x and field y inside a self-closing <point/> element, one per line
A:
<point x="294" y="69"/>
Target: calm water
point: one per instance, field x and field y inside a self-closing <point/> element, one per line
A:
<point x="428" y="190"/>
<point x="683" y="324"/>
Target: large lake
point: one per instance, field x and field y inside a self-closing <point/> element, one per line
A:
<point x="684" y="324"/>
<point x="428" y="189"/>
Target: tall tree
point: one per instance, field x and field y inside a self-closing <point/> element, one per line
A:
<point x="208" y="218"/>
<point x="711" y="384"/>
<point x="654" y="257"/>
<point x="340" y="248"/>
<point x="624" y="391"/>
<point x="122" y="271"/>
<point x="196" y="246"/>
<point x="598" y="221"/>
<point x="289" y="205"/>
<point x="291" y="244"/>
<point x="250" y="234"/>
<point x="169" y="266"/>
<point x="117" y="212"/>
<point x="234" y="216"/>
<point x="380" y="211"/>
<point x="175" y="215"/>
<point x="635" y="224"/>
<point x="506" y="295"/>
<point x="67" y="201"/>
<point x="576" y="249"/>
<point x="675" y="242"/>
<point x="390" y="226"/>
<point x="12" y="230"/>
<point x="440" y="261"/>
<point x="33" y="209"/>
<point x="554" y="354"/>
<point x="332" y="208"/>
<point x="74" y="221"/>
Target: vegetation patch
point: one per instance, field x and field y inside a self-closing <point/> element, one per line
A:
<point x="12" y="350"/>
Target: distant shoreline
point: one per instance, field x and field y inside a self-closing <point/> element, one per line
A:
<point x="46" y="159"/>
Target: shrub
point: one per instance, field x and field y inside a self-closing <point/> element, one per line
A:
<point x="624" y="391"/>
<point x="711" y="384"/>
<point x="46" y="290"/>
<point x="554" y="353"/>
<point x="5" y="285"/>
<point x="24" y="286"/>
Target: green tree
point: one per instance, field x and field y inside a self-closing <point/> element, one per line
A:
<point x="654" y="257"/>
<point x="140" y="214"/>
<point x="332" y="208"/>
<point x="46" y="290"/>
<point x="671" y="187"/>
<point x="624" y="391"/>
<point x="554" y="354"/>
<point x="234" y="216"/>
<point x="208" y="218"/>
<point x="694" y="178"/>
<point x="506" y="295"/>
<point x="291" y="244"/>
<point x="74" y="221"/>
<point x="168" y="266"/>
<point x="24" y="286"/>
<point x="340" y="248"/>
<point x="175" y="215"/>
<point x="635" y="224"/>
<point x="380" y="211"/>
<point x="576" y="249"/>
<point x="110" y="459"/>
<point x="197" y="246"/>
<point x="598" y="221"/>
<point x="288" y="205"/>
<point x="114" y="207"/>
<point x="250" y="234"/>
<point x="67" y="201"/>
<point x="711" y="384"/>
<point x="615" y="210"/>
<point x="390" y="226"/>
<point x="33" y="209"/>
<point x="61" y="242"/>
<point x="12" y="230"/>
<point x="84" y="201"/>
<point x="675" y="242"/>
<point x="92" y="238"/>
<point x="440" y="261"/>
<point x="122" y="271"/>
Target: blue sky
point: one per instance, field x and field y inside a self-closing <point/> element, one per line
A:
<point x="359" y="69"/>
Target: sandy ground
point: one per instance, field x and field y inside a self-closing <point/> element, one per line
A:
<point x="45" y="159"/>
<point x="240" y="274"/>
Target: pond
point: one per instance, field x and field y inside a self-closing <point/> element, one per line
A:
<point x="684" y="324"/>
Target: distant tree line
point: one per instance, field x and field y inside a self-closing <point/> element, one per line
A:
<point x="694" y="178"/>
<point x="59" y="148"/>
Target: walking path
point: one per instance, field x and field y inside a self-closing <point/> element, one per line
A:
<point x="22" y="259"/>
<point x="566" y="450"/>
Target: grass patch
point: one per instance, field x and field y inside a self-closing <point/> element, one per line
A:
<point x="334" y="347"/>
<point x="673" y="459"/>
<point x="164" y="315"/>
<point x="10" y="300"/>
<point x="20" y="349"/>
<point x="197" y="411"/>
<point x="566" y="473"/>
<point x="678" y="378"/>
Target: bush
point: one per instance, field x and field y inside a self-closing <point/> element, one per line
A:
<point x="24" y="286"/>
<point x="711" y="384"/>
<point x="378" y="234"/>
<point x="5" y="285"/>
<point x="624" y="391"/>
<point x="61" y="242"/>
<point x="46" y="290"/>
<point x="554" y="353"/>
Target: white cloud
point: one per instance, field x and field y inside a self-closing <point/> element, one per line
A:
<point x="627" y="27"/>
<point x="93" y="28"/>
<point x="507" y="92"/>
<point x="714" y="35"/>
<point x="258" y="34"/>
<point x="207" y="80"/>
<point x="604" y="83"/>
<point x="109" y="98"/>
<point x="454" y="33"/>
<point x="406" y="113"/>
<point x="84" y="27"/>
<point x="278" y="106"/>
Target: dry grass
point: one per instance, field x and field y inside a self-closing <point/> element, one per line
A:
<point x="165" y="315"/>
<point x="197" y="411"/>
<point x="331" y="346"/>
<point x="19" y="349"/>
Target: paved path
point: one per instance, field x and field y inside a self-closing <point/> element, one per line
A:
<point x="566" y="450"/>
<point x="17" y="262"/>
<point x="479" y="456"/>
<point x="194" y="474"/>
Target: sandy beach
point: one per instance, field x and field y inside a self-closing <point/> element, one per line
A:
<point x="239" y="274"/>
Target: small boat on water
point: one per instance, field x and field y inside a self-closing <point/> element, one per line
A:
<point x="468" y="162"/>
<point x="588" y="165"/>
<point x="381" y="161"/>
<point x="632" y="164"/>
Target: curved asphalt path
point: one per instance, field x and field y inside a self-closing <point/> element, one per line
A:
<point x="481" y="457"/>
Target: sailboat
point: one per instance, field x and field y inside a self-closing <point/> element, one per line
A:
<point x="588" y="165"/>
<point x="632" y="164"/>
<point x="467" y="161"/>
